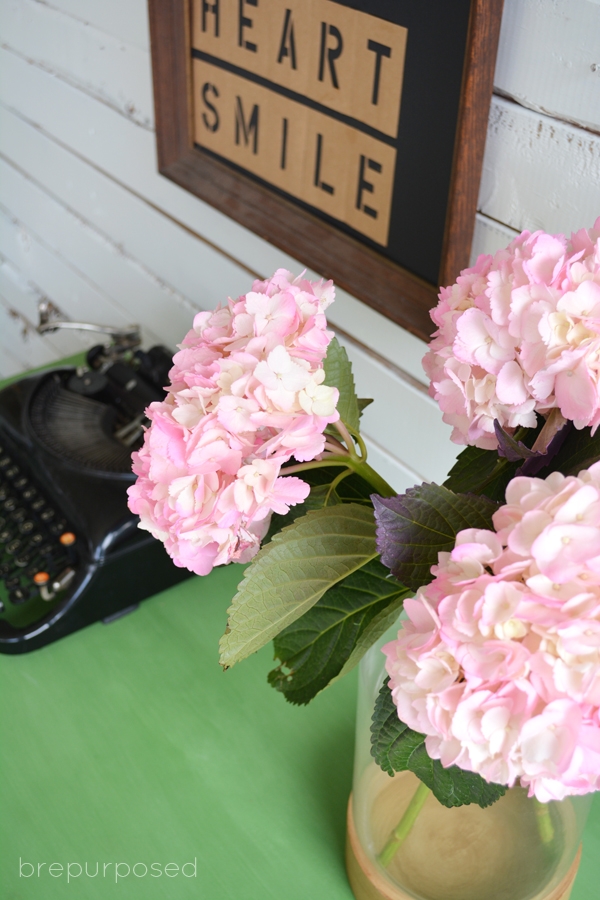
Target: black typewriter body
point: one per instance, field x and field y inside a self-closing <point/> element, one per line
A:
<point x="70" y="550"/>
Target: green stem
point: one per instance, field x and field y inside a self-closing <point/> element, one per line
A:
<point x="362" y="446"/>
<point x="337" y="480"/>
<point x="332" y="460"/>
<point x="544" y="821"/>
<point x="361" y="468"/>
<point x="372" y="477"/>
<point x="402" y="829"/>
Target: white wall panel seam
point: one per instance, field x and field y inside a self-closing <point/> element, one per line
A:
<point x="38" y="130"/>
<point x="374" y="447"/>
<point x="126" y="20"/>
<point x="23" y="297"/>
<point x="106" y="241"/>
<point x="115" y="246"/>
<point x="548" y="58"/>
<point x="106" y="68"/>
<point x="104" y="304"/>
<point x="414" y="383"/>
<point x="539" y="172"/>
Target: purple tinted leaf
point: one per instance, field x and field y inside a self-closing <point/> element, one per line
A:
<point x="511" y="449"/>
<point x="532" y="466"/>
<point x="412" y="528"/>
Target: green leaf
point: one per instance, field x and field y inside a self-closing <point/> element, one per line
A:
<point x="414" y="527"/>
<point x="397" y="748"/>
<point x="378" y="625"/>
<point x="362" y="404"/>
<point x="338" y="373"/>
<point x="316" y="647"/>
<point x="293" y="571"/>
<point x="481" y="472"/>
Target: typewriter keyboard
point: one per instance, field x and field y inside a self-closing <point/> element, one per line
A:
<point x="38" y="555"/>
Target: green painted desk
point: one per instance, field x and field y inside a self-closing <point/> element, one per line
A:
<point x="125" y="743"/>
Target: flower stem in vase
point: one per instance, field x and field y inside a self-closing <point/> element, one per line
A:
<point x="544" y="820"/>
<point x="402" y="829"/>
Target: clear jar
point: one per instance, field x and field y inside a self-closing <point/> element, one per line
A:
<point x="516" y="849"/>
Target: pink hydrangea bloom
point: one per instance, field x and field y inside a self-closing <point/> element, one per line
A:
<point x="499" y="660"/>
<point x="246" y="395"/>
<point x="519" y="333"/>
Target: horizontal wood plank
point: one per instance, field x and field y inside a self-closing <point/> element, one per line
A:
<point x="56" y="279"/>
<point x="20" y="342"/>
<point x="397" y="474"/>
<point x="183" y="262"/>
<point x="539" y="172"/>
<point x="126" y="20"/>
<point x="23" y="298"/>
<point x="102" y="263"/>
<point x="490" y="236"/>
<point x="105" y="67"/>
<point x="126" y="153"/>
<point x="548" y="58"/>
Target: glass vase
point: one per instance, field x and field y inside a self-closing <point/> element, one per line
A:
<point x="516" y="849"/>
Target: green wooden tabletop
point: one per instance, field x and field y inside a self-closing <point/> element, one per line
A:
<point x="126" y="743"/>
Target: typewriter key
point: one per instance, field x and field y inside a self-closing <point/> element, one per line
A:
<point x="12" y="583"/>
<point x="58" y="527"/>
<point x="27" y="526"/>
<point x="47" y="549"/>
<point x="21" y="483"/>
<point x="47" y="514"/>
<point x="14" y="546"/>
<point x="12" y="472"/>
<point x="29" y="493"/>
<point x="19" y="514"/>
<point x="10" y="503"/>
<point x="6" y="535"/>
<point x="23" y="560"/>
<point x="19" y="595"/>
<point x="38" y="504"/>
<point x="5" y="462"/>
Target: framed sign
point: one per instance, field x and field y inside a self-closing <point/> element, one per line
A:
<point x="349" y="133"/>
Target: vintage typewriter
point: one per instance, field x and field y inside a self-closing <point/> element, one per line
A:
<point x="70" y="550"/>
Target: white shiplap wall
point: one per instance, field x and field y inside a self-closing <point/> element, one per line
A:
<point x="86" y="221"/>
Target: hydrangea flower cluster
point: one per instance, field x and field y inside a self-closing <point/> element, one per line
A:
<point x="246" y="395"/>
<point x="519" y="333"/>
<point x="499" y="661"/>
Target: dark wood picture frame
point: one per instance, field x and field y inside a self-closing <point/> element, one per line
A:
<point x="362" y="271"/>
